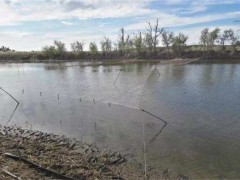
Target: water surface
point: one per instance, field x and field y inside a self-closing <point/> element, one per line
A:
<point x="199" y="102"/>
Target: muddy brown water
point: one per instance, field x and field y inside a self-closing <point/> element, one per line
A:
<point x="200" y="103"/>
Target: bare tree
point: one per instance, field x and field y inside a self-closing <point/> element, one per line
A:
<point x="138" y="43"/>
<point x="106" y="45"/>
<point x="77" y="46"/>
<point x="223" y="38"/>
<point x="209" y="38"/>
<point x="148" y="42"/>
<point x="121" y="41"/>
<point x="204" y="38"/>
<point x="167" y="39"/>
<point x="232" y="38"/>
<point x="213" y="37"/>
<point x="129" y="44"/>
<point x="153" y="32"/>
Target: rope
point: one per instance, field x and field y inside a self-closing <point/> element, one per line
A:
<point x="144" y="147"/>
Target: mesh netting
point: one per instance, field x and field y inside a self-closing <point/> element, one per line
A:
<point x="156" y="113"/>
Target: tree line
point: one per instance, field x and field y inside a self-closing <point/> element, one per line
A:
<point x="146" y="45"/>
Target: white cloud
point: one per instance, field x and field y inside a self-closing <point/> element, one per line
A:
<point x="194" y="9"/>
<point x="29" y="10"/>
<point x="170" y="20"/>
<point x="7" y="16"/>
<point x="193" y="6"/>
<point x="19" y="11"/>
<point x="67" y="23"/>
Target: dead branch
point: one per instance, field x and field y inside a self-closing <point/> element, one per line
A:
<point x="10" y="174"/>
<point x="48" y="172"/>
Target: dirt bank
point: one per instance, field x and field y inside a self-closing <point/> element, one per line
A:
<point x="216" y="61"/>
<point x="27" y="154"/>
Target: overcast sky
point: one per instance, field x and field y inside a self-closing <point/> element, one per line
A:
<point x="31" y="24"/>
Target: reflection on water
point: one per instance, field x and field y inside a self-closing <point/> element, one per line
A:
<point x="199" y="102"/>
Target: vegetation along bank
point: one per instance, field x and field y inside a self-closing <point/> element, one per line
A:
<point x="215" y="44"/>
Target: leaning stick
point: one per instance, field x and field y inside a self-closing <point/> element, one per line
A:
<point x="9" y="95"/>
<point x="165" y="124"/>
<point x="38" y="167"/>
<point x="10" y="174"/>
<point x="14" y="100"/>
<point x="116" y="79"/>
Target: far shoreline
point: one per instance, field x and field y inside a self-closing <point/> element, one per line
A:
<point x="98" y="62"/>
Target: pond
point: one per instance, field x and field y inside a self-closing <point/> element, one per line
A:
<point x="100" y="105"/>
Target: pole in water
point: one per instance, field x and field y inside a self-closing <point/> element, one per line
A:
<point x="93" y="100"/>
<point x="40" y="93"/>
<point x="95" y="125"/>
<point x="23" y="91"/>
<point x="14" y="100"/>
<point x="58" y="96"/>
<point x="80" y="99"/>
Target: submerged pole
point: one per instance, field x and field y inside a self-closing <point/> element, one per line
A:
<point x="14" y="100"/>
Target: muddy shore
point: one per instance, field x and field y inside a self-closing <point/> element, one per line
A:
<point x="27" y="154"/>
<point x="110" y="62"/>
<point x="83" y="63"/>
<point x="176" y="61"/>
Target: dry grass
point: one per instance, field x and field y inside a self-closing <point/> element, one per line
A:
<point x="63" y="155"/>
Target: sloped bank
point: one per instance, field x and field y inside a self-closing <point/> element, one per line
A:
<point x="27" y="154"/>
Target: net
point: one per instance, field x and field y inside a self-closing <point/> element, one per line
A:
<point x="121" y="121"/>
<point x="158" y="114"/>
